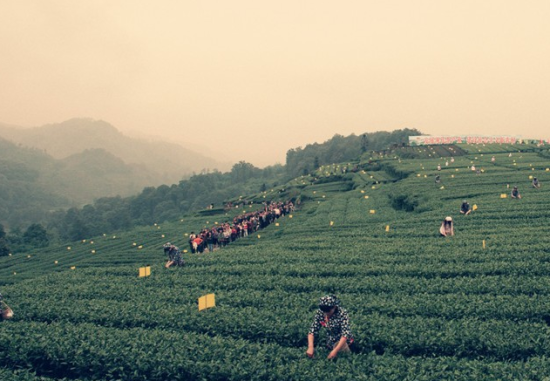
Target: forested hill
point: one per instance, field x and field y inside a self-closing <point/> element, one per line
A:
<point x="33" y="183"/>
<point x="23" y="198"/>
<point x="339" y="149"/>
<point x="166" y="162"/>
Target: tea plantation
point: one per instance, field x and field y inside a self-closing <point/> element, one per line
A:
<point x="475" y="306"/>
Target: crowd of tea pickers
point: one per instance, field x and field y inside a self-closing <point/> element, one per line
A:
<point x="423" y="307"/>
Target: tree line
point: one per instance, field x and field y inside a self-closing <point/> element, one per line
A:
<point x="170" y="202"/>
<point x="339" y="149"/>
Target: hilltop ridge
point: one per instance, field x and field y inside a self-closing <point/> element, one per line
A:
<point x="169" y="161"/>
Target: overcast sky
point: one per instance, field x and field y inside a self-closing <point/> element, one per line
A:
<point x="255" y="78"/>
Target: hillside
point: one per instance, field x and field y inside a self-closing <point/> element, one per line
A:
<point x="103" y="182"/>
<point x="166" y="162"/>
<point x="33" y="183"/>
<point x="302" y="161"/>
<point x="475" y="306"/>
<point x="23" y="198"/>
<point x="75" y="162"/>
<point x="94" y="173"/>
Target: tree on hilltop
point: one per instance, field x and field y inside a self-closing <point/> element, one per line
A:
<point x="364" y="143"/>
<point x="36" y="236"/>
<point x="4" y="249"/>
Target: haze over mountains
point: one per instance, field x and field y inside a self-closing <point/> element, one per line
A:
<point x="168" y="161"/>
<point x="74" y="162"/>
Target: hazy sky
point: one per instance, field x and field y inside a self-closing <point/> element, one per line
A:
<point x="255" y="78"/>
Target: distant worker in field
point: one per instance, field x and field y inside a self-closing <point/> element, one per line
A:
<point x="6" y="312"/>
<point x="166" y="247"/>
<point x="515" y="193"/>
<point x="335" y="319"/>
<point x="174" y="255"/>
<point x="447" y="228"/>
<point x="465" y="208"/>
<point x="535" y="183"/>
<point x="493" y="159"/>
<point x="437" y="179"/>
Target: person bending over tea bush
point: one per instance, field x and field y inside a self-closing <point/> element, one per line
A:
<point x="515" y="193"/>
<point x="174" y="255"/>
<point x="5" y="311"/>
<point x="447" y="228"/>
<point x="465" y="208"/>
<point x="335" y="319"/>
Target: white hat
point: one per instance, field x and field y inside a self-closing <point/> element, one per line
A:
<point x="448" y="219"/>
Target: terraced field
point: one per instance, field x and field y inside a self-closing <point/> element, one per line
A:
<point x="470" y="307"/>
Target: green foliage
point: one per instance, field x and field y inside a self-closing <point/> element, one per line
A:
<point x="33" y="183"/>
<point x="163" y="203"/>
<point x="342" y="149"/>
<point x="39" y="184"/>
<point x="406" y="202"/>
<point x="23" y="198"/>
<point x="243" y="171"/>
<point x="424" y="151"/>
<point x="36" y="236"/>
<point x="364" y="143"/>
<point x="78" y="161"/>
<point x="4" y="248"/>
<point x="422" y="307"/>
<point x="395" y="172"/>
<point x="211" y="212"/>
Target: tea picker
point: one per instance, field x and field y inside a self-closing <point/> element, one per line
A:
<point x="447" y="227"/>
<point x="465" y="208"/>
<point x="515" y="193"/>
<point x="5" y="311"/>
<point x="335" y="319"/>
<point x="174" y="255"/>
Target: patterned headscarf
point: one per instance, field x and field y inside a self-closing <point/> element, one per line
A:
<point x="329" y="300"/>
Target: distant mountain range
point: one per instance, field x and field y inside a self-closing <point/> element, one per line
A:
<point x="74" y="162"/>
<point x="169" y="162"/>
